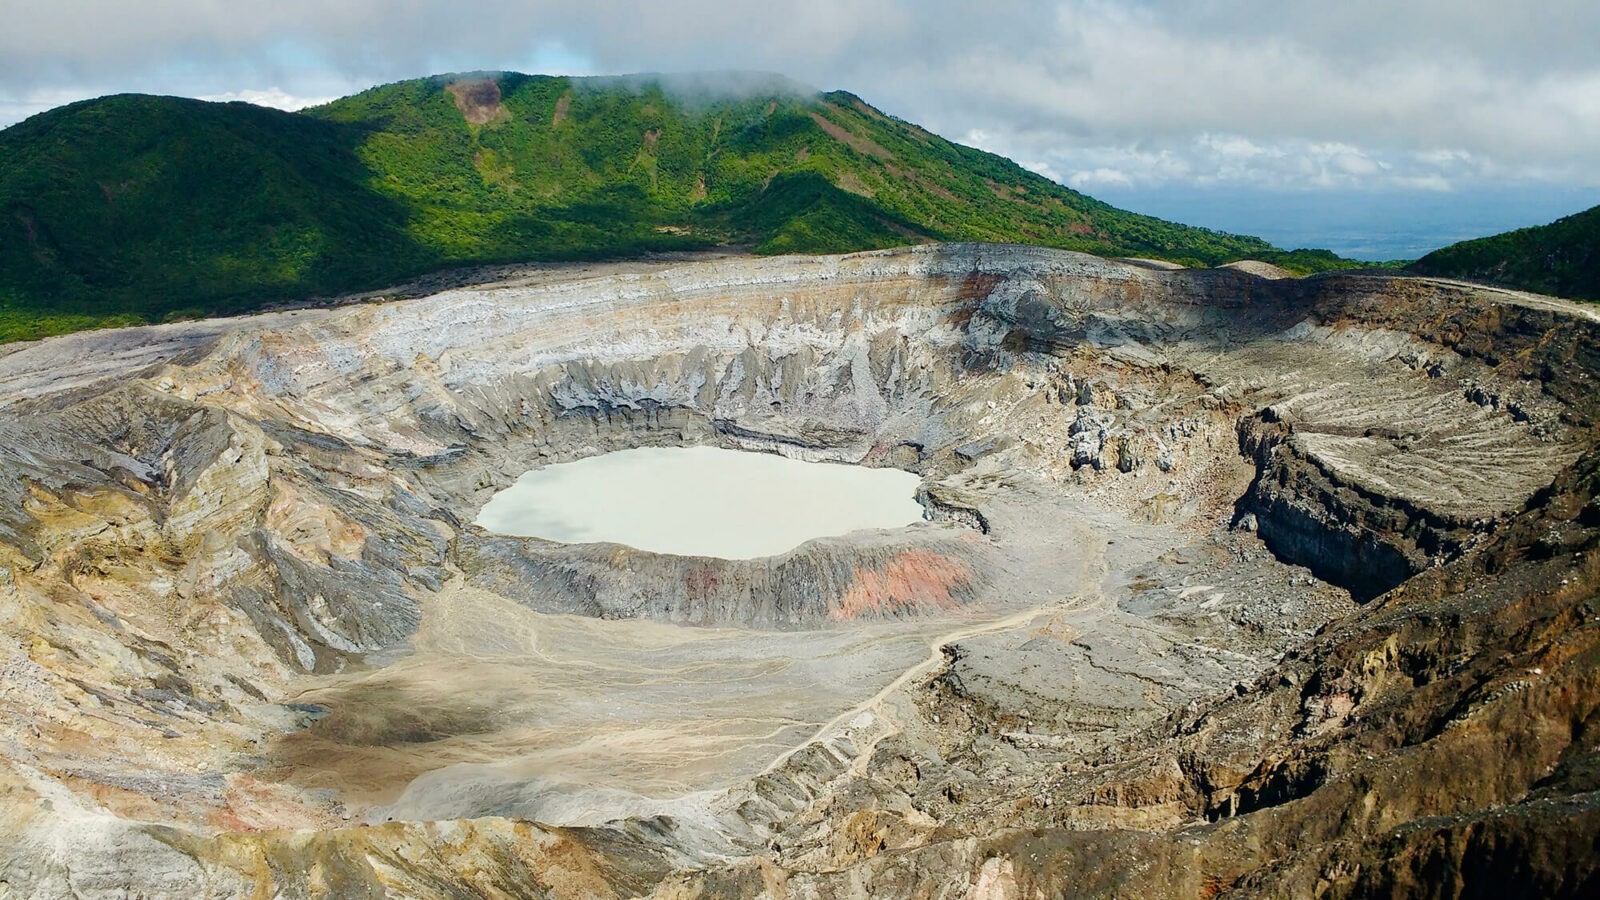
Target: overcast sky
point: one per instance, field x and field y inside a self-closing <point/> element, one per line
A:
<point x="1461" y="100"/>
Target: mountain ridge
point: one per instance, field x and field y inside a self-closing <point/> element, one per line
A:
<point x="139" y="207"/>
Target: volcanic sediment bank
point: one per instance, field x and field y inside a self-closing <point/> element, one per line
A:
<point x="1219" y="570"/>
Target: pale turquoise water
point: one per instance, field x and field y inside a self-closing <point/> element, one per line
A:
<point x="701" y="501"/>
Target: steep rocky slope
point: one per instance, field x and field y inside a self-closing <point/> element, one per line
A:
<point x="1230" y="586"/>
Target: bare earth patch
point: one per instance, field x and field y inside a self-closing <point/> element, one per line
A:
<point x="845" y="136"/>
<point x="479" y="101"/>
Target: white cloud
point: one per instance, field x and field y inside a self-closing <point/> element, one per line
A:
<point x="1040" y="168"/>
<point x="274" y="97"/>
<point x="1263" y="92"/>
<point x="1104" y="176"/>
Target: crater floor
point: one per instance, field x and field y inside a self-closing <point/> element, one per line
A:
<point x="1218" y="572"/>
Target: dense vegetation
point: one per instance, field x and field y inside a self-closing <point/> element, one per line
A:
<point x="1306" y="262"/>
<point x="1562" y="258"/>
<point x="154" y="207"/>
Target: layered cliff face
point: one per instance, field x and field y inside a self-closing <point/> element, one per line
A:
<point x="1229" y="584"/>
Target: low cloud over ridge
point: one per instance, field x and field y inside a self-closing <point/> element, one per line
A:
<point x="1428" y="95"/>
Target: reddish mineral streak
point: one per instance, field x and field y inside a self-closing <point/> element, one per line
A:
<point x="916" y="579"/>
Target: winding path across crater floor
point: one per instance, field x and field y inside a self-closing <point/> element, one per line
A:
<point x="1215" y="559"/>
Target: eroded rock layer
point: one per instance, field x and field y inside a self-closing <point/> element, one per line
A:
<point x="1229" y="585"/>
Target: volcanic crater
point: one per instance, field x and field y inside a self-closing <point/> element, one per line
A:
<point x="1264" y="583"/>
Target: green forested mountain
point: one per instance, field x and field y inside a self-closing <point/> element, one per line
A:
<point x="154" y="206"/>
<point x="1562" y="258"/>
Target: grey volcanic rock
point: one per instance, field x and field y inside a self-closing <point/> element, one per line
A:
<point x="825" y="580"/>
<point x="242" y="612"/>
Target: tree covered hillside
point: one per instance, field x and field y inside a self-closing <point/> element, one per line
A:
<point x="156" y="206"/>
<point x="1562" y="258"/>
